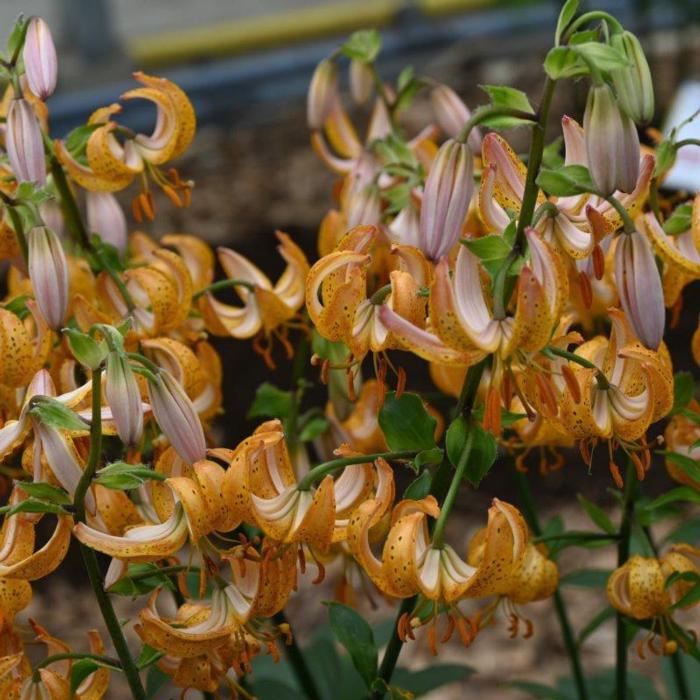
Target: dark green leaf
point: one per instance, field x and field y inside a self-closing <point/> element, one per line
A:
<point x="482" y="457"/>
<point x="565" y="16"/>
<point x="18" y="306"/>
<point x="16" y="39"/>
<point x="46" y="492"/>
<point x="504" y="96"/>
<point x="106" y="254"/>
<point x="427" y="457"/>
<point x="353" y="632"/>
<point x="683" y="390"/>
<point x="690" y="598"/>
<point x="52" y="413"/>
<point x="455" y="439"/>
<point x="148" y="656"/>
<point x="32" y="505"/>
<point x="488" y="247"/>
<point x="406" y="423"/>
<point x="121" y="476"/>
<point x="683" y="493"/>
<point x="270" y="402"/>
<point x="587" y="578"/>
<point x="363" y="45"/>
<point x="551" y="155"/>
<point x="140" y="580"/>
<point x="313" y="428"/>
<point x="155" y="680"/>
<point x="82" y="668"/>
<point x="597" y="515"/>
<point x="566" y="181"/>
<point x="428" y="679"/>
<point x="419" y="487"/>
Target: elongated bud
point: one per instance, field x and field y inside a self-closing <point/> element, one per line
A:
<point x="323" y="90"/>
<point x="361" y="81"/>
<point x="48" y="271"/>
<point x="633" y="84"/>
<point x="123" y="397"/>
<point x="639" y="286"/>
<point x="52" y="216"/>
<point x="448" y="192"/>
<point x="612" y="143"/>
<point x="40" y="62"/>
<point x="106" y="218"/>
<point x="25" y="147"/>
<point x="177" y="417"/>
<point x="452" y="114"/>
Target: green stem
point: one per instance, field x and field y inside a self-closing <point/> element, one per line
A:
<point x="687" y="142"/>
<point x="69" y="206"/>
<point x="223" y="284"/>
<point x="89" y="557"/>
<point x="623" y="552"/>
<point x="602" y="380"/>
<point x="108" y="661"/>
<point x="446" y="508"/>
<point x="318" y="472"/>
<point x="483" y="113"/>
<point x="534" y="162"/>
<point x="530" y="513"/>
<point x="298" y="663"/>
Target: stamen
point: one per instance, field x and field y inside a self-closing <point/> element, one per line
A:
<point x="617" y="477"/>
<point x="571" y="383"/>
<point x="598" y="258"/>
<point x="586" y="290"/>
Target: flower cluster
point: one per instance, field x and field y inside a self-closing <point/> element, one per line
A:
<point x="533" y="289"/>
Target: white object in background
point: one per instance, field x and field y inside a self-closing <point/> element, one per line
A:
<point x="685" y="174"/>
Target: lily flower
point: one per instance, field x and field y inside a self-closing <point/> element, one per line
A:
<point x="267" y="310"/>
<point x="323" y="92"/>
<point x="24" y="345"/>
<point x="260" y="487"/>
<point x="40" y="62"/>
<point x="25" y="147"/>
<point x="113" y="164"/>
<point x="639" y="590"/>
<point x="105" y="217"/>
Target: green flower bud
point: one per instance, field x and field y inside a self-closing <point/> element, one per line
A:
<point x="633" y="84"/>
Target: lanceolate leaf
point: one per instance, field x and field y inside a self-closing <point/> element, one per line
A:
<point x="406" y="423"/>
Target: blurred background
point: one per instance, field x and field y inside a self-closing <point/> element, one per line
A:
<point x="246" y="65"/>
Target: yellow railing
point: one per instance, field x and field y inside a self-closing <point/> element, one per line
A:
<point x="278" y="29"/>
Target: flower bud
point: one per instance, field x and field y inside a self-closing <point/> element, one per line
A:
<point x="25" y="147"/>
<point x="612" y="143"/>
<point x="177" y="417"/>
<point x="448" y="192"/>
<point x="361" y="81"/>
<point x="124" y="399"/>
<point x="48" y="271"/>
<point x="633" y="84"/>
<point x="106" y="218"/>
<point x="40" y="62"/>
<point x="639" y="286"/>
<point x="452" y="114"/>
<point x="322" y="93"/>
<point x="52" y="216"/>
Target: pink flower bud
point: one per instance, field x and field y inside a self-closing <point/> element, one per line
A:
<point x="323" y="91"/>
<point x="361" y="81"/>
<point x="52" y="216"/>
<point x="448" y="192"/>
<point x="177" y="417"/>
<point x="40" y="62"/>
<point x="612" y="142"/>
<point x="106" y="218"/>
<point x="639" y="286"/>
<point x="48" y="271"/>
<point x="25" y="147"/>
<point x="452" y="114"/>
<point x="123" y="397"/>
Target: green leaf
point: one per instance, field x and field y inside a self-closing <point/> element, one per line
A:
<point x="270" y="402"/>
<point x="406" y="423"/>
<point x="597" y="515"/>
<point x="428" y="679"/>
<point x="140" y="580"/>
<point x="52" y="413"/>
<point x="364" y="45"/>
<point x="682" y="493"/>
<point x="16" y="39"/>
<point x="538" y="690"/>
<point x="692" y="576"/>
<point x="46" y="492"/>
<point x="563" y="62"/>
<point x="427" y="457"/>
<point x="148" y="657"/>
<point x="106" y="254"/>
<point x="587" y="578"/>
<point x="455" y="438"/>
<point x="32" y="505"/>
<point x="687" y="531"/>
<point x="565" y="16"/>
<point x="680" y="220"/>
<point x="313" y="428"/>
<point x="666" y="153"/>
<point x="504" y="96"/>
<point x="488" y="247"/>
<point x="155" y="680"/>
<point x="683" y="390"/>
<point x="483" y="450"/>
<point x="82" y="668"/>
<point x="419" y="487"/>
<point x="603" y="56"/>
<point x="353" y="632"/>
<point x="551" y="155"/>
<point x="687" y="464"/>
<point x="605" y="614"/>
<point x="121" y="476"/>
<point x="18" y="306"/>
<point x="690" y="598"/>
<point x="566" y="181"/>
<point x="89" y="352"/>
